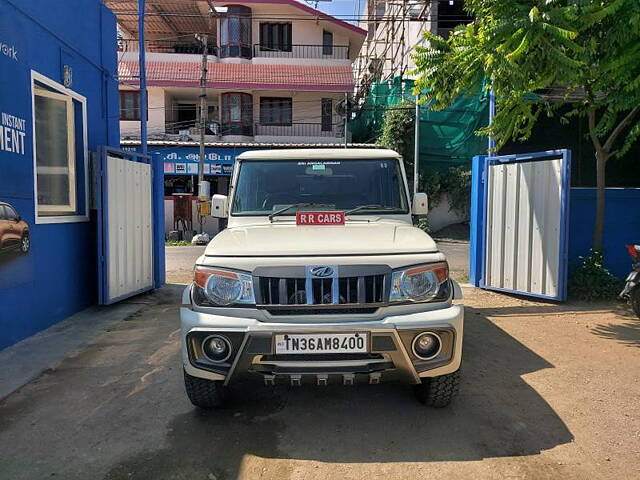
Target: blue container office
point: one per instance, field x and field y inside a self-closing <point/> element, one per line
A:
<point x="58" y="103"/>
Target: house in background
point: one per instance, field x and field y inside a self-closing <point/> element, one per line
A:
<point x="393" y="31"/>
<point x="277" y="72"/>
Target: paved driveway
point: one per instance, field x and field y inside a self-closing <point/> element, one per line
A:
<point x="548" y="392"/>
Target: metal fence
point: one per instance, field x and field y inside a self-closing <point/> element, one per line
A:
<point x="300" y="130"/>
<point x="334" y="52"/>
<point x="327" y="52"/>
<point x="166" y="46"/>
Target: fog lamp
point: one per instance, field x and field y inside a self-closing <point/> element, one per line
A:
<point x="216" y="348"/>
<point x="426" y="345"/>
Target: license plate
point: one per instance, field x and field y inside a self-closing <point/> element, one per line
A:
<point x="320" y="218"/>
<point x="322" y="343"/>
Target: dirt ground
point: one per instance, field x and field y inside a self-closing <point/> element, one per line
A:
<point x="548" y="392"/>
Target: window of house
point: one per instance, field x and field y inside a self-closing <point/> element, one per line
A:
<point x="235" y="32"/>
<point x="275" y="37"/>
<point x="327" y="43"/>
<point x="130" y="105"/>
<point x="237" y="114"/>
<point x="276" y="111"/>
<point x="60" y="156"/>
<point x="327" y="115"/>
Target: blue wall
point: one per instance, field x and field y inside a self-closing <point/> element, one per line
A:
<point x="58" y="276"/>
<point x="622" y="226"/>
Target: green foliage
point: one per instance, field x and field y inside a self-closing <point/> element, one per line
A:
<point x="398" y="134"/>
<point x="592" y="281"/>
<point x="581" y="53"/>
<point x="398" y="130"/>
<point x="456" y="182"/>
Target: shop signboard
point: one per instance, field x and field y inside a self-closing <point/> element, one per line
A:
<point x="184" y="160"/>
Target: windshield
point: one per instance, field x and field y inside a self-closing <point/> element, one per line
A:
<point x="264" y="187"/>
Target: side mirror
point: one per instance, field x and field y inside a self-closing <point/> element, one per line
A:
<point x="219" y="206"/>
<point x="18" y="218"/>
<point x="420" y="204"/>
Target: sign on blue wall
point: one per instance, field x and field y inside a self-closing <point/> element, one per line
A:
<point x="184" y="160"/>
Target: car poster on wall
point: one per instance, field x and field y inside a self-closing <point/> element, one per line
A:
<point x="16" y="164"/>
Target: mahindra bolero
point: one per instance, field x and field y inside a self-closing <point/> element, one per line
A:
<point x="321" y="278"/>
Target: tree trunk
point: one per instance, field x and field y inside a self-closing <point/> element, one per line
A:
<point x="601" y="163"/>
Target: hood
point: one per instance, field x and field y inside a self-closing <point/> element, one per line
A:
<point x="291" y="240"/>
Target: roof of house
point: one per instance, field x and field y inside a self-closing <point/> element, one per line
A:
<point x="241" y="76"/>
<point x="174" y="17"/>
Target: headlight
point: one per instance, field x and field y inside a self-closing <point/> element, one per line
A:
<point x="418" y="284"/>
<point x="225" y="287"/>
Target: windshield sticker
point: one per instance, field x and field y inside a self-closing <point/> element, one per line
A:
<point x="318" y="165"/>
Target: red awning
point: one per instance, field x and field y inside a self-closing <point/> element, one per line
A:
<point x="241" y="76"/>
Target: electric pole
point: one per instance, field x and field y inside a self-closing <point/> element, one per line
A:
<point x="416" y="149"/>
<point x="346" y="116"/>
<point x="143" y="78"/>
<point x="203" y="108"/>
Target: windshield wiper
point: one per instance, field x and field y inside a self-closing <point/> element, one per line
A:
<point x="370" y="207"/>
<point x="295" y="205"/>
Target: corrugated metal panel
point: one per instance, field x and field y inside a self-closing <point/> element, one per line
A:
<point x="524" y="215"/>
<point x="129" y="217"/>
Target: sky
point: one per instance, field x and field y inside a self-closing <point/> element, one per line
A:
<point x="340" y="8"/>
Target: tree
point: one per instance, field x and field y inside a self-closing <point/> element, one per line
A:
<point x="545" y="57"/>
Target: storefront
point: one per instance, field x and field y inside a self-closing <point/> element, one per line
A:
<point x="58" y="103"/>
<point x="181" y="178"/>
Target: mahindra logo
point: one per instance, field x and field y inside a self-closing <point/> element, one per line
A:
<point x="322" y="272"/>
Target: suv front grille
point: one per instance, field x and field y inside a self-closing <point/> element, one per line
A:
<point x="350" y="291"/>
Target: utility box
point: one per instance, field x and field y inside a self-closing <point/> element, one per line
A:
<point x="182" y="212"/>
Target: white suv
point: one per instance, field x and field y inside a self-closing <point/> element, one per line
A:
<point x="321" y="278"/>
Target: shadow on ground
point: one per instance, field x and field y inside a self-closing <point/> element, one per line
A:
<point x="627" y="333"/>
<point x="496" y="415"/>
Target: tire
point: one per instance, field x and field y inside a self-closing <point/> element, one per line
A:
<point x="25" y="244"/>
<point x="438" y="391"/>
<point x="634" y="300"/>
<point x="205" y="393"/>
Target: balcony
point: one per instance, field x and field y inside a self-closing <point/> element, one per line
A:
<point x="166" y="46"/>
<point x="323" y="52"/>
<point x="303" y="130"/>
<point x="318" y="52"/>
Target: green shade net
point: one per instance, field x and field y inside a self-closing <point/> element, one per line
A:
<point x="447" y="137"/>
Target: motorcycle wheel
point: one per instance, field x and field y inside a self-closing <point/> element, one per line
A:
<point x="634" y="299"/>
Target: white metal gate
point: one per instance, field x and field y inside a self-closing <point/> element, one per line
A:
<point x="526" y="216"/>
<point x="126" y="233"/>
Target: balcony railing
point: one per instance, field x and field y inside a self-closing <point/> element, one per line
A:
<point x="300" y="130"/>
<point x="166" y="46"/>
<point x="327" y="52"/>
<point x="330" y="52"/>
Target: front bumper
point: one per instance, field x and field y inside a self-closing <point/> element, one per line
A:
<point x="389" y="356"/>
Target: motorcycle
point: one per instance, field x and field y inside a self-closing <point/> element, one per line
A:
<point x="631" y="291"/>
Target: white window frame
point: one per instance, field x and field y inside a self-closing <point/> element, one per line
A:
<point x="68" y="95"/>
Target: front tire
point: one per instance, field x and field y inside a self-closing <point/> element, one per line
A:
<point x="634" y="300"/>
<point x="438" y="391"/>
<point x="25" y="244"/>
<point x="205" y="393"/>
